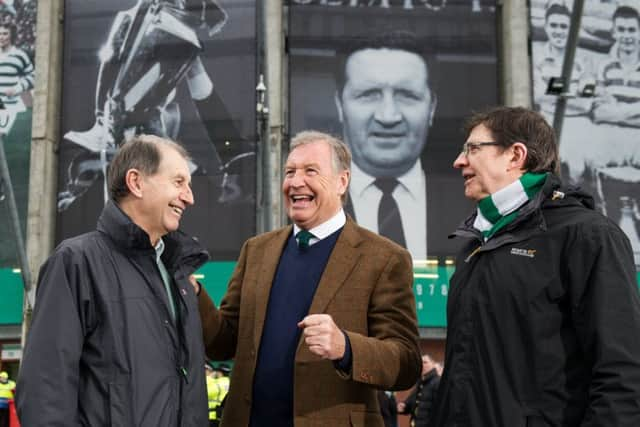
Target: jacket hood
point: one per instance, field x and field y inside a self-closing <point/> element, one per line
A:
<point x="576" y="193"/>
<point x="180" y="249"/>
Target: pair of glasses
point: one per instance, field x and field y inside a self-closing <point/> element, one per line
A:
<point x="470" y="147"/>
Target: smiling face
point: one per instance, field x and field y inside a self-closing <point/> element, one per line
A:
<point x="164" y="196"/>
<point x="557" y="29"/>
<point x="486" y="169"/>
<point x="386" y="108"/>
<point x="312" y="187"/>
<point x="626" y="31"/>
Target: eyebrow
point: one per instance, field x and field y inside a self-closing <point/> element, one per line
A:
<point x="306" y="165"/>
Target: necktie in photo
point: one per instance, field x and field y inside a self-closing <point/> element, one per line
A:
<point x="389" y="222"/>
<point x="303" y="238"/>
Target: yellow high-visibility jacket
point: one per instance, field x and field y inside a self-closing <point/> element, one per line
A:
<point x="217" y="389"/>
<point x="6" y="390"/>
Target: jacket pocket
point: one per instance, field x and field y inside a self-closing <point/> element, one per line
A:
<point x="119" y="405"/>
<point x="365" y="419"/>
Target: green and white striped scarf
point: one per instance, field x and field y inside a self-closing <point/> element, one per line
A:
<point x="501" y="208"/>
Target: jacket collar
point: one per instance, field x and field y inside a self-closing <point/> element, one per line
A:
<point x="179" y="247"/>
<point x="530" y="217"/>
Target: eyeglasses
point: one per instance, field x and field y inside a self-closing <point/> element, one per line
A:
<point x="469" y="146"/>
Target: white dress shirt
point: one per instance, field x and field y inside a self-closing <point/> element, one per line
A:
<point x="325" y="229"/>
<point x="410" y="195"/>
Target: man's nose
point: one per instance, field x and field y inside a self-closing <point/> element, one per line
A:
<point x="460" y="161"/>
<point x="297" y="179"/>
<point x="387" y="112"/>
<point x="187" y="196"/>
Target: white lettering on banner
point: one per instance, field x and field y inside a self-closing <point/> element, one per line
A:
<point x="405" y="4"/>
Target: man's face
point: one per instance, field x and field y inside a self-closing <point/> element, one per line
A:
<point x="626" y="33"/>
<point x="427" y="365"/>
<point x="311" y="186"/>
<point x="165" y="195"/>
<point x="5" y="37"/>
<point x="557" y="29"/>
<point x="386" y="109"/>
<point x="486" y="169"/>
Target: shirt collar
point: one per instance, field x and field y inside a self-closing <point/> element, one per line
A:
<point x="327" y="228"/>
<point x="159" y="247"/>
<point x="411" y="180"/>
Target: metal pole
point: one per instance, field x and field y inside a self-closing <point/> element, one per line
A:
<point x="15" y="222"/>
<point x="567" y="66"/>
<point x="276" y="96"/>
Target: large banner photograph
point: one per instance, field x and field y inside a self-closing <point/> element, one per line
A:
<point x="396" y="80"/>
<point x="17" y="77"/>
<point x="600" y="137"/>
<point x="181" y="69"/>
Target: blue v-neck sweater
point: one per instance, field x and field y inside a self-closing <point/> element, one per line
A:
<point x="292" y="291"/>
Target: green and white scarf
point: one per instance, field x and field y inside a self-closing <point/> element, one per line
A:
<point x="501" y="208"/>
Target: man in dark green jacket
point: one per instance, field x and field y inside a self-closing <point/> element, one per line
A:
<point x="543" y="311"/>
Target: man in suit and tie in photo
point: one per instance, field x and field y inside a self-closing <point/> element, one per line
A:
<point x="386" y="107"/>
<point x="318" y="314"/>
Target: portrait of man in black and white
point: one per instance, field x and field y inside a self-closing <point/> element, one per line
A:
<point x="386" y="106"/>
<point x="159" y="67"/>
<point x="557" y="19"/>
<point x="401" y="82"/>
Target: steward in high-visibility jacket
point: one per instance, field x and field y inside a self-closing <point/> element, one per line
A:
<point x="6" y="394"/>
<point x="217" y="389"/>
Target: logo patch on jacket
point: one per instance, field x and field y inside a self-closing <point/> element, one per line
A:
<point x="523" y="252"/>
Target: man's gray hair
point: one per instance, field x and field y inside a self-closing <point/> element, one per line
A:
<point x="142" y="152"/>
<point x="341" y="154"/>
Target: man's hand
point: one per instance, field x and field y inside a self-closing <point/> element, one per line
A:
<point x="322" y="336"/>
<point x="194" y="283"/>
<point x="401" y="406"/>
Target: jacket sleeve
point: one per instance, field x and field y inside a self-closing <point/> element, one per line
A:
<point x="389" y="357"/>
<point x="606" y="313"/>
<point x="410" y="403"/>
<point x="47" y="391"/>
<point x="220" y="326"/>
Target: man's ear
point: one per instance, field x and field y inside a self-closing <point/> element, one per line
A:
<point x="338" y="101"/>
<point x="343" y="179"/>
<point x="519" y="156"/>
<point x="134" y="181"/>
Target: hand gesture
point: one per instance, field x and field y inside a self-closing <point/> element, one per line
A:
<point x="322" y="336"/>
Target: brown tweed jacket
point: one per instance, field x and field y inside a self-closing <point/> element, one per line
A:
<point x="367" y="289"/>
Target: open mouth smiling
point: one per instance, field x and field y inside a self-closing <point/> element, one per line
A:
<point x="301" y="198"/>
<point x="177" y="209"/>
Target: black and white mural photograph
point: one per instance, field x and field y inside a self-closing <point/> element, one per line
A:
<point x="395" y="80"/>
<point x="181" y="69"/>
<point x="600" y="136"/>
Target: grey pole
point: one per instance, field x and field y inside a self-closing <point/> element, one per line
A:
<point x="567" y="66"/>
<point x="15" y="224"/>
